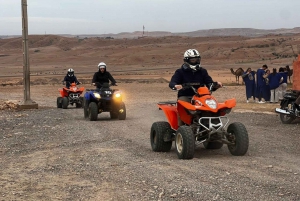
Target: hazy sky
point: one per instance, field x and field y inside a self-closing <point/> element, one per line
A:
<point x="115" y="16"/>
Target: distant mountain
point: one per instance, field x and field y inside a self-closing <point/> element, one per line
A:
<point x="247" y="32"/>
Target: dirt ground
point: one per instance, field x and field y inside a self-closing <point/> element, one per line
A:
<point x="55" y="154"/>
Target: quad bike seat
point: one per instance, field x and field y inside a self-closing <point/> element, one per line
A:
<point x="167" y="103"/>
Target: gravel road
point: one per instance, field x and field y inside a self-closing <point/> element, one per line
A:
<point x="55" y="154"/>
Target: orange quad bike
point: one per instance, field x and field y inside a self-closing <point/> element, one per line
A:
<point x="204" y="122"/>
<point x="71" y="96"/>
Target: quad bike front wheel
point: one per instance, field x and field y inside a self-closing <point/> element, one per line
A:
<point x="185" y="142"/>
<point x="157" y="133"/>
<point x="93" y="111"/>
<point x="286" y="119"/>
<point x="238" y="135"/>
<point x="122" y="111"/>
<point x="65" y="102"/>
<point x="59" y="102"/>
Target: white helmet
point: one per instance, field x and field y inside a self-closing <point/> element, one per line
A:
<point x="70" y="72"/>
<point x="192" y="53"/>
<point x="102" y="65"/>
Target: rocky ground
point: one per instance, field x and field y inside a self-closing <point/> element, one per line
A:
<point x="55" y="154"/>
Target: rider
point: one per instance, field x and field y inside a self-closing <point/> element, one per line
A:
<point x="191" y="72"/>
<point x="103" y="76"/>
<point x="70" y="78"/>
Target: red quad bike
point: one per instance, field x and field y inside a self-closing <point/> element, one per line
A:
<point x="204" y="122"/>
<point x="70" y="96"/>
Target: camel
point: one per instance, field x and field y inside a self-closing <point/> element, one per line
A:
<point x="239" y="72"/>
<point x="290" y="72"/>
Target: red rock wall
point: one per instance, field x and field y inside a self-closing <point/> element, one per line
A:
<point x="296" y="74"/>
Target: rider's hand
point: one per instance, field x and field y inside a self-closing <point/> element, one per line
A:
<point x="94" y="84"/>
<point x="220" y="84"/>
<point x="178" y="86"/>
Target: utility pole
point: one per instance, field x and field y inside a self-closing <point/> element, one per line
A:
<point x="27" y="102"/>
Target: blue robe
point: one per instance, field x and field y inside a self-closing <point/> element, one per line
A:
<point x="261" y="88"/>
<point x="250" y="84"/>
<point x="274" y="80"/>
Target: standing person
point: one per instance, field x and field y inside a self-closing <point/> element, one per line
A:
<point x="282" y="87"/>
<point x="267" y="90"/>
<point x="102" y="76"/>
<point x="70" y="78"/>
<point x="190" y="72"/>
<point x="261" y="83"/>
<point x="274" y="82"/>
<point x="249" y="79"/>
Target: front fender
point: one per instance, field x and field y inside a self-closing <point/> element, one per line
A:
<point x="286" y="101"/>
<point x="89" y="96"/>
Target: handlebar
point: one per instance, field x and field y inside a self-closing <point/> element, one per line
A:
<point x="104" y="84"/>
<point x="212" y="86"/>
<point x="78" y="83"/>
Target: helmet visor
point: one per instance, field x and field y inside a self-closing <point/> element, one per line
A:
<point x="194" y="60"/>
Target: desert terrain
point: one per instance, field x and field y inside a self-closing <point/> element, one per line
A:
<point x="55" y="154"/>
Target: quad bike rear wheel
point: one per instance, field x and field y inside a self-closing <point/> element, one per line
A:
<point x="93" y="111"/>
<point x="65" y="102"/>
<point x="286" y="119"/>
<point x="238" y="135"/>
<point x="59" y="102"/>
<point x="157" y="133"/>
<point x="122" y="111"/>
<point x="80" y="103"/>
<point x="185" y="142"/>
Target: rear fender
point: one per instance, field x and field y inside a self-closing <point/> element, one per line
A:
<point x="171" y="114"/>
<point x="63" y="92"/>
<point x="81" y="89"/>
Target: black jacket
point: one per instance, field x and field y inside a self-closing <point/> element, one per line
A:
<point x="186" y="75"/>
<point x="101" y="78"/>
<point x="70" y="80"/>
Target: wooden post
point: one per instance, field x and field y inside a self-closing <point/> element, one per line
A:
<point x="27" y="102"/>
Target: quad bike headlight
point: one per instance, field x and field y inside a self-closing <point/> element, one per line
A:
<point x="211" y="103"/>
<point x="97" y="95"/>
<point x="118" y="95"/>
